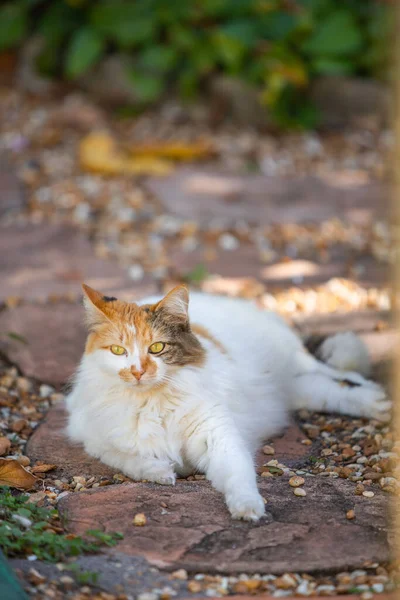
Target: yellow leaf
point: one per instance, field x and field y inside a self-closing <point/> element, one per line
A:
<point x="99" y="153"/>
<point x="43" y="468"/>
<point x="174" y="150"/>
<point x="13" y="474"/>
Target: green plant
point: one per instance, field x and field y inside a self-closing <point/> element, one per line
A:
<point x="197" y="275"/>
<point x="83" y="577"/>
<point x="278" y="45"/>
<point x="28" y="529"/>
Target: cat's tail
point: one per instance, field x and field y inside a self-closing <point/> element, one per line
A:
<point x="342" y="351"/>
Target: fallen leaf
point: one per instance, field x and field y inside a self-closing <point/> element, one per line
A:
<point x="17" y="337"/>
<point x="43" y="468"/>
<point x="5" y="445"/>
<point x="98" y="153"/>
<point x="174" y="150"/>
<point x="13" y="474"/>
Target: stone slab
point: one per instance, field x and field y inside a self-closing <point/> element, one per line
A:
<point x="196" y="532"/>
<point x="41" y="260"/>
<point x="50" y="340"/>
<point x="245" y="262"/>
<point x="12" y="198"/>
<point x="204" y="194"/>
<point x="50" y="444"/>
<point x="116" y="573"/>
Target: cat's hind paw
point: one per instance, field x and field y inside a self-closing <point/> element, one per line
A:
<point x="371" y="402"/>
<point x="248" y="507"/>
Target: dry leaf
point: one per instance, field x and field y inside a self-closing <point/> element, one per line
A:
<point x="98" y="153"/>
<point x="5" y="445"/>
<point x="43" y="468"/>
<point x="175" y="151"/>
<point x="13" y="474"/>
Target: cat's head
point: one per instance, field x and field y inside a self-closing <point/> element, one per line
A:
<point x="142" y="346"/>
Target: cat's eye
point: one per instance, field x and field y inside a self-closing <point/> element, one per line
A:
<point x="157" y="347"/>
<point x="118" y="350"/>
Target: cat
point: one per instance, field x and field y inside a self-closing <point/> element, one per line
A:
<point x="166" y="387"/>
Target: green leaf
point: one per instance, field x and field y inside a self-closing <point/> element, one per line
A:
<point x="57" y="22"/>
<point x="330" y="66"/>
<point x="122" y="22"/>
<point x="337" y="35"/>
<point x="13" y="24"/>
<point x="277" y="25"/>
<point x="148" y="88"/>
<point x="243" y="30"/>
<point x="158" y="58"/>
<point x="17" y="337"/>
<point x="84" y="50"/>
<point x="228" y="50"/>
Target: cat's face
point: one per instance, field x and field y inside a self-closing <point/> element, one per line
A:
<point x="142" y="346"/>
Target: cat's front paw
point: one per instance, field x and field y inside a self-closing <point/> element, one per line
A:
<point x="161" y="476"/>
<point x="246" y="506"/>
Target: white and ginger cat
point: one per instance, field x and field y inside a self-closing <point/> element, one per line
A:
<point x="166" y="387"/>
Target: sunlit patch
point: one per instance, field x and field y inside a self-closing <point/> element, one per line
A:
<point x="118" y="350"/>
<point x="157" y="347"/>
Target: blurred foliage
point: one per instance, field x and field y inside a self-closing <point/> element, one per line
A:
<point x="278" y="45"/>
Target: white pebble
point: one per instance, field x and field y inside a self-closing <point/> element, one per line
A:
<point x="228" y="242"/>
<point x="27" y="523"/>
<point x="299" y="492"/>
<point x="136" y="272"/>
<point x="45" y="390"/>
<point x="368" y="494"/>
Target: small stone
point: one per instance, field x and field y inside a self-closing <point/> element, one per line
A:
<point x="285" y="582"/>
<point x="368" y="494"/>
<point x="18" y="425"/>
<point x="25" y="461"/>
<point x="252" y="584"/>
<point x="136" y="272"/>
<point x="45" y="390"/>
<point x="5" y="445"/>
<point x="35" y="577"/>
<point x="359" y="489"/>
<point x="296" y="481"/>
<point x="269" y="450"/>
<point x="348" y="452"/>
<point x="326" y="452"/>
<point x="23" y="384"/>
<point x="180" y="574"/>
<point x="299" y="492"/>
<point x="66" y="582"/>
<point x="79" y="479"/>
<point x="378" y="587"/>
<point x="389" y="484"/>
<point x="350" y="515"/>
<point x="139" y="520"/>
<point x="24" y="521"/>
<point x="194" y="587"/>
<point x="345" y="472"/>
<point x="306" y="442"/>
<point x="228" y="242"/>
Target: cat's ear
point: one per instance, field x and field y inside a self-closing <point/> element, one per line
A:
<point x="98" y="307"/>
<point x="175" y="304"/>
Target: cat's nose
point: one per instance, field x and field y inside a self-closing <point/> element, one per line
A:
<point x="137" y="373"/>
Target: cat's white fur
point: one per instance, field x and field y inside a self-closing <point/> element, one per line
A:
<point x="213" y="418"/>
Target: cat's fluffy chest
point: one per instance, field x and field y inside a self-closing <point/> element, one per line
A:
<point x="145" y="425"/>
